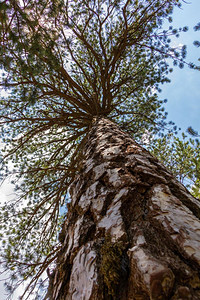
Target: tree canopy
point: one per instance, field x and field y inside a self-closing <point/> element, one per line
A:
<point x="63" y="63"/>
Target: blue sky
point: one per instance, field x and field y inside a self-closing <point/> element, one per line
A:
<point x="183" y="93"/>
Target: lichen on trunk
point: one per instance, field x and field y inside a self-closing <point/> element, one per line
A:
<point x="132" y="231"/>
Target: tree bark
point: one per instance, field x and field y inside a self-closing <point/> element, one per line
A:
<point x="132" y="231"/>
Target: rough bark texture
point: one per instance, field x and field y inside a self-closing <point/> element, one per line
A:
<point x="132" y="231"/>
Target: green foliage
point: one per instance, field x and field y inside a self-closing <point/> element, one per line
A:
<point x="192" y="132"/>
<point x="64" y="62"/>
<point x="197" y="43"/>
<point x="182" y="157"/>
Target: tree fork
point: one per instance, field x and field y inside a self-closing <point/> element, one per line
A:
<point x="132" y="231"/>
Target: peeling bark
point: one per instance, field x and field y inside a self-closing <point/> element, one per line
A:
<point x="132" y="231"/>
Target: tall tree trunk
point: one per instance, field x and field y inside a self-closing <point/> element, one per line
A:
<point x="132" y="230"/>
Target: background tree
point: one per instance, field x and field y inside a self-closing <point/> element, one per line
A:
<point x="63" y="63"/>
<point x="181" y="157"/>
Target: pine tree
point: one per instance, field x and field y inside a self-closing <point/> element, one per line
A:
<point x="63" y="64"/>
<point x="132" y="230"/>
<point x="181" y="156"/>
